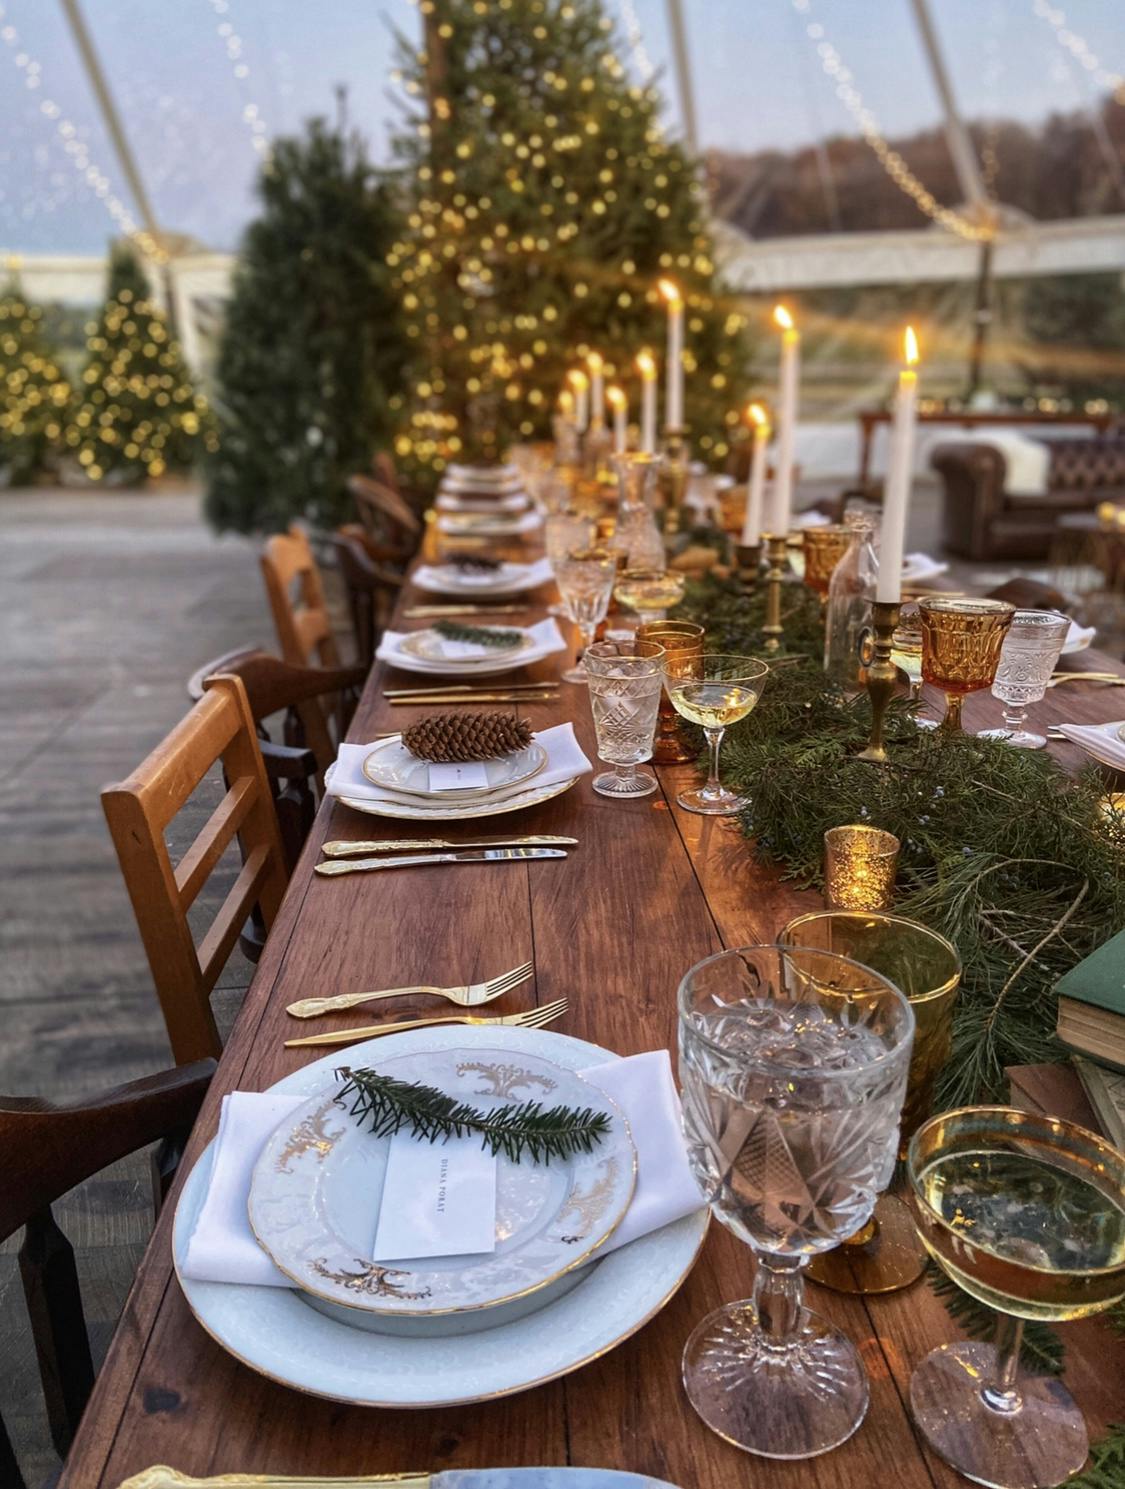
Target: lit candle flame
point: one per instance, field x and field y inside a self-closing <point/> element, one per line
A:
<point x="646" y="365"/>
<point x="757" y="415"/>
<point x="595" y="362"/>
<point x="577" y="379"/>
<point x="615" y="396"/>
<point x="782" y="318"/>
<point x="671" y="292"/>
<point x="910" y="347"/>
<point x="566" y="401"/>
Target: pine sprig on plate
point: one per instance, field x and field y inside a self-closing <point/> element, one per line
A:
<point x="528" y="1130"/>
<point x="479" y="635"/>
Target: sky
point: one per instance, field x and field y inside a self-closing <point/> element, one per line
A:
<point x="193" y="78"/>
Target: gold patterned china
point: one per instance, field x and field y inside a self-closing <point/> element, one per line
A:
<point x="824" y="547"/>
<point x="885" y="1254"/>
<point x="315" y="1193"/>
<point x="859" y="867"/>
<point x="961" y="643"/>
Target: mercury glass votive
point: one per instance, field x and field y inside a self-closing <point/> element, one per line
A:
<point x="961" y="641"/>
<point x="824" y="547"/>
<point x="859" y="868"/>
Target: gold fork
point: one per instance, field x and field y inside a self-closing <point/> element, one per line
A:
<point x="468" y="997"/>
<point x="533" y="1018"/>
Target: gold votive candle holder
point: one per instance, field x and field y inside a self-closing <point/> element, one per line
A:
<point x="824" y="547"/>
<point x="679" y="638"/>
<point x="859" y="868"/>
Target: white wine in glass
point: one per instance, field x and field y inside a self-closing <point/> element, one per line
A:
<point x="714" y="692"/>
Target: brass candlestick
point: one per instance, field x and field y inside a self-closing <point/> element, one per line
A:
<point x="778" y="559"/>
<point x="673" y="478"/>
<point x="882" y="675"/>
<point x="749" y="557"/>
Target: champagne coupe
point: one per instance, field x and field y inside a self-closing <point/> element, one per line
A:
<point x="961" y="641"/>
<point x="1026" y="1214"/>
<point x="885" y="1254"/>
<point x="793" y="1066"/>
<point x="585" y="580"/>
<point x="650" y="592"/>
<point x="626" y="680"/>
<point x="714" y="692"/>
<point x="1027" y="659"/>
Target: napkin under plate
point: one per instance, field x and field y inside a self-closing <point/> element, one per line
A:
<point x="565" y="760"/>
<point x="545" y="636"/>
<point x="1100" y="741"/>
<point x="223" y="1247"/>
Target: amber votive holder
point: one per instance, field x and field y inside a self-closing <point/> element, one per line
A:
<point x="824" y="547"/>
<point x="859" y="868"/>
<point x="679" y="638"/>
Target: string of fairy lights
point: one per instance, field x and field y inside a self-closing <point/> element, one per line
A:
<point x="240" y="68"/>
<point x="887" y="156"/>
<point x="1079" y="48"/>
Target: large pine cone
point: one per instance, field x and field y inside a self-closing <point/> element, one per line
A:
<point x="466" y="736"/>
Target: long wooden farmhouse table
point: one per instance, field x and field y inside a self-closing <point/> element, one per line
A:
<point x="648" y="891"/>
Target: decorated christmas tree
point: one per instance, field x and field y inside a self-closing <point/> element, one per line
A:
<point x="312" y="349"/>
<point x="33" y="390"/>
<point x="137" y="414"/>
<point x="545" y="205"/>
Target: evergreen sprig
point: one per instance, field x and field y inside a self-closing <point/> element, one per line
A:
<point x="527" y="1130"/>
<point x="492" y="636"/>
<point x="1042" y="1352"/>
<point x="1107" y="1462"/>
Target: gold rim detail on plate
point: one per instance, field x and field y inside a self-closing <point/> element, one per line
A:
<point x="488" y="808"/>
<point x="466" y="794"/>
<point x="412" y="645"/>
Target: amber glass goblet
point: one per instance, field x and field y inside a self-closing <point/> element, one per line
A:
<point x="824" y="547"/>
<point x="885" y="1254"/>
<point x="678" y="638"/>
<point x="961" y="642"/>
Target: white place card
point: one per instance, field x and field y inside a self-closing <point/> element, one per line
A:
<point x="439" y="1199"/>
<point x="463" y="651"/>
<point x="459" y="775"/>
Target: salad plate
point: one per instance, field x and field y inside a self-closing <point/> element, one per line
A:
<point x="392" y="765"/>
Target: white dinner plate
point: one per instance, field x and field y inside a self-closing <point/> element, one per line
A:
<point x="276" y="1332"/>
<point x="487" y="524"/>
<point x="317" y="1186"/>
<point x="392" y="765"/>
<point x="481" y="475"/>
<point x="432" y="646"/>
<point x="509" y="579"/>
<point x="490" y="806"/>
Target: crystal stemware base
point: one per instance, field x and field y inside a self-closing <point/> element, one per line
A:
<point x="713" y="801"/>
<point x="1020" y="739"/>
<point x="1040" y="1444"/>
<point x="624" y="785"/>
<point x="789" y="1399"/>
<point x="576" y="674"/>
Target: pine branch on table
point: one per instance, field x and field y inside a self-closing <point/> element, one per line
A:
<point x="491" y="636"/>
<point x="1042" y="1352"/>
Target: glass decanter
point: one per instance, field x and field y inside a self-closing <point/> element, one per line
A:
<point x="636" y="534"/>
<point x="851" y="595"/>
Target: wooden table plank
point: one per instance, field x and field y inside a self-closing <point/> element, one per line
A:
<point x="649" y="890"/>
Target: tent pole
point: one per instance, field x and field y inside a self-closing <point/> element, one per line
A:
<point x="683" y="73"/>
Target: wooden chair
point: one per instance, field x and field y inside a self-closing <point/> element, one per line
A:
<point x="296" y="767"/>
<point x="373" y="585"/>
<point x="220" y="728"/>
<point x="386" y="517"/>
<point x="1030" y="594"/>
<point x="46" y="1150"/>
<point x="302" y="622"/>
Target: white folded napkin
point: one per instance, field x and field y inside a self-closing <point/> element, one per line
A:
<point x="564" y="761"/>
<point x="528" y="523"/>
<point x="917" y="567"/>
<point x="545" y="636"/>
<point x="1097" y="740"/>
<point x="809" y="519"/>
<point x="511" y="501"/>
<point x="222" y="1248"/>
<point x="510" y="580"/>
<point x="1078" y="638"/>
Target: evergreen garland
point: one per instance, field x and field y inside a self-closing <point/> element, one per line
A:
<point x="492" y="636"/>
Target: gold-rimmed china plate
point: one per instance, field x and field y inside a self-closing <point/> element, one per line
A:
<point x="392" y="766"/>
<point x="432" y="646"/>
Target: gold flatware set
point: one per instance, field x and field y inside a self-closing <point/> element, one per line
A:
<point x="1106" y="679"/>
<point x="337" y="848"/>
<point x="531" y="1018"/>
<point x="456" y="691"/>
<point x="470" y="996"/>
<point x="437" y="612"/>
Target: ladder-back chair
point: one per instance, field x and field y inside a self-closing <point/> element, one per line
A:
<point x="304" y="629"/>
<point x="372" y="584"/>
<point x="219" y="729"/>
<point x="386" y="517"/>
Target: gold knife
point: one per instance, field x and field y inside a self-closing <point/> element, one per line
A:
<point x="425" y="612"/>
<point x="335" y="867"/>
<point x="468" y="687"/>
<point x="337" y="848"/>
<point x="474" y="698"/>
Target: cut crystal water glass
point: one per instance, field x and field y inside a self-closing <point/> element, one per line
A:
<point x="626" y="679"/>
<point x="585" y="580"/>
<point x="1027" y="659"/>
<point x="793" y="1067"/>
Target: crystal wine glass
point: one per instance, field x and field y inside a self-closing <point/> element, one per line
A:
<point x="885" y="1254"/>
<point x="650" y="592"/>
<point x="1027" y="659"/>
<point x="626" y="679"/>
<point x="793" y="1066"/>
<point x="714" y="692"/>
<point x="961" y="640"/>
<point x="564" y="531"/>
<point x="585" y="580"/>
<point x="1026" y="1213"/>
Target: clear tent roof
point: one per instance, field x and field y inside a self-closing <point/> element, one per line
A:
<point x="202" y="83"/>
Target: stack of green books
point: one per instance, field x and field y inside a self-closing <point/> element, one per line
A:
<point x="1092" y="1005"/>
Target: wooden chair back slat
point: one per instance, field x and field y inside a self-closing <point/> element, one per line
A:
<point x="219" y="729"/>
<point x="304" y="629"/>
<point x="385" y="516"/>
<point x="45" y="1151"/>
<point x="246" y="891"/>
<point x="372" y="584"/>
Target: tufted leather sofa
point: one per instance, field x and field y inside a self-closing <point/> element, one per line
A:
<point x="982" y="521"/>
